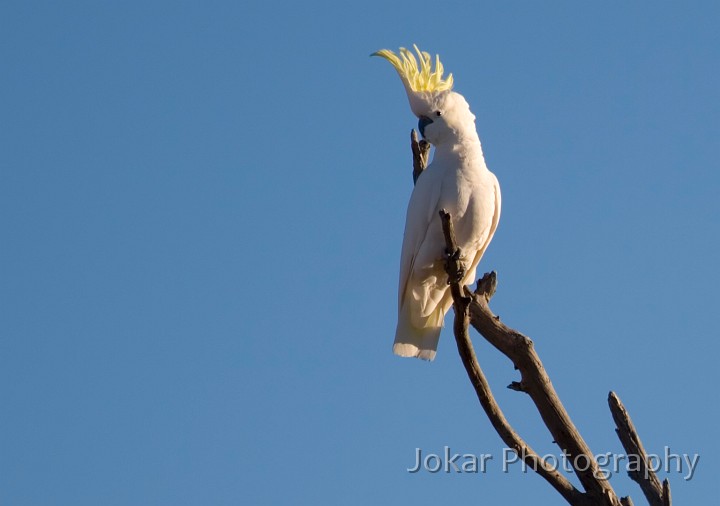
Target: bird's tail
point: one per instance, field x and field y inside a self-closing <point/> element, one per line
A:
<point x="420" y="342"/>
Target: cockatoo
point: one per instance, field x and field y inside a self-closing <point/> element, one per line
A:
<point x="456" y="180"/>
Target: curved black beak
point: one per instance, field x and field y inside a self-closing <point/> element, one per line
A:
<point x="422" y="123"/>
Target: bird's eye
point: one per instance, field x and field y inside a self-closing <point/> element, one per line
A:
<point x="438" y="113"/>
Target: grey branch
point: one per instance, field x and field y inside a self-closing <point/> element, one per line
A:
<point x="421" y="153"/>
<point x="472" y="308"/>
<point x="536" y="383"/>
<point x="656" y="494"/>
<point x="461" y="304"/>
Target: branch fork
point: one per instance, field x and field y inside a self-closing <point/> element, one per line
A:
<point x="471" y="308"/>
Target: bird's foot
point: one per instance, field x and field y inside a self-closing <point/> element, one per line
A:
<point x="453" y="267"/>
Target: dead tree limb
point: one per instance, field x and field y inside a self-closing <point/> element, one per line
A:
<point x="461" y="304"/>
<point x="657" y="494"/>
<point x="472" y="308"/>
<point x="421" y="154"/>
<point x="536" y="383"/>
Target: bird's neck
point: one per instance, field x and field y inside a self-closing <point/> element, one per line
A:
<point x="460" y="148"/>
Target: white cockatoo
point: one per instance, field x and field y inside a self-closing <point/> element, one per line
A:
<point x="456" y="180"/>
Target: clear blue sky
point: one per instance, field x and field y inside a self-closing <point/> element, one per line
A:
<point x="201" y="211"/>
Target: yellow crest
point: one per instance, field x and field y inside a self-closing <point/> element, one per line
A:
<point x="421" y="78"/>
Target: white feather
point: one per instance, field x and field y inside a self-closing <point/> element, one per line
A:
<point x="458" y="181"/>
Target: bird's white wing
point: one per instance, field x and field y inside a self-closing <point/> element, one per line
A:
<point x="422" y="211"/>
<point x="416" y="334"/>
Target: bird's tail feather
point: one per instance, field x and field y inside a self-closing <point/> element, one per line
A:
<point x="411" y="341"/>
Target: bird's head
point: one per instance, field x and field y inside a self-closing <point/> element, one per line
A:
<point x="443" y="115"/>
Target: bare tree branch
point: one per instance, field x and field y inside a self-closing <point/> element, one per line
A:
<point x="656" y="494"/>
<point x="472" y="308"/>
<point x="536" y="383"/>
<point x="421" y="153"/>
<point x="461" y="304"/>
